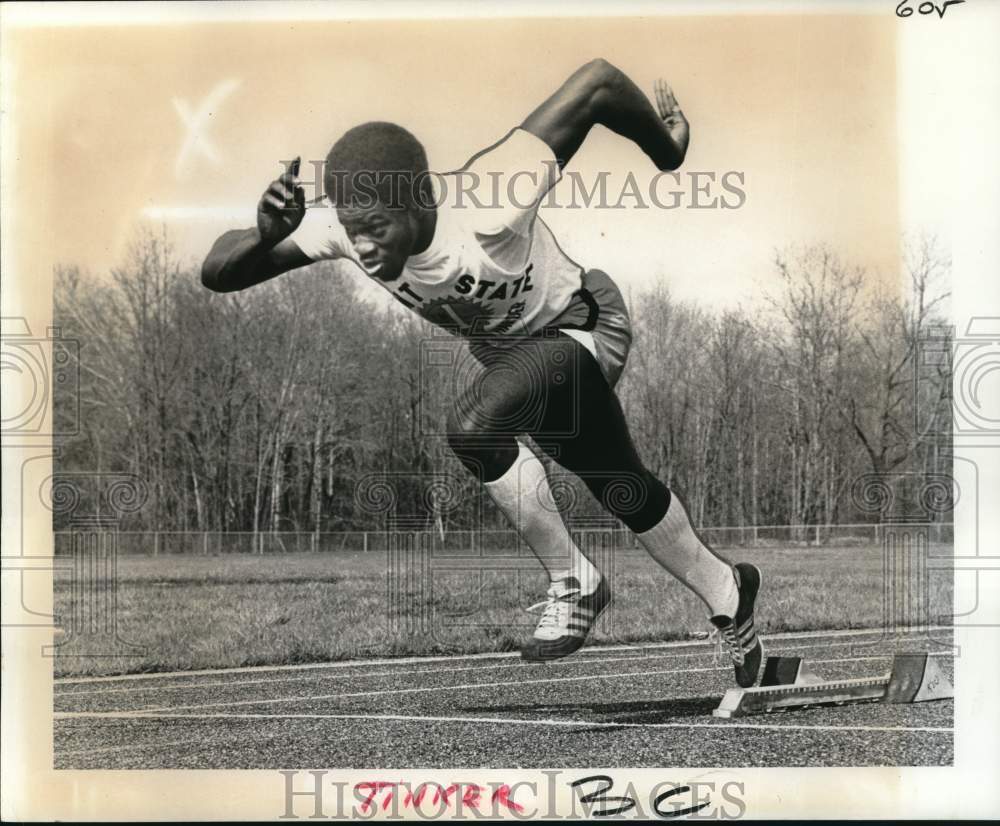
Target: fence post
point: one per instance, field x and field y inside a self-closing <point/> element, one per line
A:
<point x="364" y="535"/>
<point x="817" y="536"/>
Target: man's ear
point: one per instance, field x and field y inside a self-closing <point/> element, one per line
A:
<point x="426" y="194"/>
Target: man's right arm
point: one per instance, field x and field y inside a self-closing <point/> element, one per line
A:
<point x="243" y="258"/>
<point x="240" y="258"/>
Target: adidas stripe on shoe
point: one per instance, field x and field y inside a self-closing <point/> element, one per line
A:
<point x="738" y="633"/>
<point x="567" y="618"/>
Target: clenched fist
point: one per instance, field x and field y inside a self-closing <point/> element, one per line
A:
<point x="282" y="206"/>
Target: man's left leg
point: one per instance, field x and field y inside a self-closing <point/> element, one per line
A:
<point x="508" y="399"/>
<point x="599" y="449"/>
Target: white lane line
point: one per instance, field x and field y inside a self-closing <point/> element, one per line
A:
<point x="407" y="718"/>
<point x="518" y="683"/>
<point x="596" y="650"/>
<point x="362" y="676"/>
<point x="403" y="673"/>
<point x="392" y="691"/>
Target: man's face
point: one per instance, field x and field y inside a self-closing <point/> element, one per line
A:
<point x="382" y="238"/>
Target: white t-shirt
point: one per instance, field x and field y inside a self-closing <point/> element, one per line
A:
<point x="493" y="265"/>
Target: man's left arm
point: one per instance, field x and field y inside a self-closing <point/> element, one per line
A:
<point x="599" y="93"/>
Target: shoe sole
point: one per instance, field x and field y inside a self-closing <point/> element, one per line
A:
<point x="760" y="642"/>
<point x="760" y="580"/>
<point x="590" y="630"/>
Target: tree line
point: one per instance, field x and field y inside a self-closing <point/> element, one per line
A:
<point x="301" y="406"/>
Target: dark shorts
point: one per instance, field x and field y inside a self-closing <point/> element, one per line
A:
<point x="598" y="318"/>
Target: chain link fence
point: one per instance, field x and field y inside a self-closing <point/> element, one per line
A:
<point x="464" y="543"/>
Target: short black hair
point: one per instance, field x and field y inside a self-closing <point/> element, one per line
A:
<point x="376" y="161"/>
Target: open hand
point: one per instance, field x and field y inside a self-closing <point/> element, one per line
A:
<point x="670" y="113"/>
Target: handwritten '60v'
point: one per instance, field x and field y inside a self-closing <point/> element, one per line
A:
<point x="904" y="9"/>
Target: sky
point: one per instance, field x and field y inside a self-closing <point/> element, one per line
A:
<point x="184" y="126"/>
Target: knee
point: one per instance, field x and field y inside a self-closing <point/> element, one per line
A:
<point x="484" y="453"/>
<point x="639" y="500"/>
<point x="461" y="429"/>
<point x="463" y="443"/>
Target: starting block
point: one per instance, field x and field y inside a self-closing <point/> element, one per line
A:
<point x="788" y="683"/>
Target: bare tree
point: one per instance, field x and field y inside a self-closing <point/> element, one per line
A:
<point x="262" y="411"/>
<point x="813" y="350"/>
<point x="889" y="385"/>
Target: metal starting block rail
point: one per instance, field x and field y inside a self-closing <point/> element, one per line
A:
<point x="788" y="683"/>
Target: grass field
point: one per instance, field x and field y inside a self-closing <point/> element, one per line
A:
<point x="236" y="610"/>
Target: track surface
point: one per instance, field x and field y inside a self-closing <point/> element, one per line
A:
<point x="648" y="706"/>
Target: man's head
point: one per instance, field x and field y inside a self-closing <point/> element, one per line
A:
<point x="376" y="175"/>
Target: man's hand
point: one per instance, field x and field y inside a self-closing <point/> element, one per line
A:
<point x="241" y="258"/>
<point x="599" y="93"/>
<point x="281" y="207"/>
<point x="671" y="114"/>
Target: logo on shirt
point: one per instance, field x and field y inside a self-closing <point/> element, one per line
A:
<point x="464" y="316"/>
<point x="468" y="311"/>
<point x="495" y="290"/>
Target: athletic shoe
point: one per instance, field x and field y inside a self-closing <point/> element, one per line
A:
<point x="737" y="633"/>
<point x="567" y="617"/>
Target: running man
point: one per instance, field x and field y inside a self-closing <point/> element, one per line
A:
<point x="553" y="337"/>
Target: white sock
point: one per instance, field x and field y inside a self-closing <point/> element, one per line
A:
<point x="673" y="544"/>
<point x="524" y="496"/>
